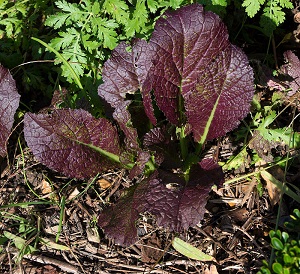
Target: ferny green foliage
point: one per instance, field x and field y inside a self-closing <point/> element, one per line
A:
<point x="89" y="30"/>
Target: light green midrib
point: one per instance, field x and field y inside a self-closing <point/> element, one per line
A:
<point x="103" y="152"/>
<point x="209" y="121"/>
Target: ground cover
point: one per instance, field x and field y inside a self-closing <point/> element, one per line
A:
<point x="50" y="221"/>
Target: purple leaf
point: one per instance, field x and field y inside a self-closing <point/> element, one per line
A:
<point x="156" y="136"/>
<point x="178" y="205"/>
<point x="221" y="96"/>
<point x="175" y="204"/>
<point x="118" y="221"/>
<point x="123" y="117"/>
<point x="194" y="59"/>
<point x="124" y="74"/>
<point x="289" y="77"/>
<point x="292" y="69"/>
<point x="61" y="141"/>
<point x="9" y="102"/>
<point x="164" y="147"/>
<point x="142" y="159"/>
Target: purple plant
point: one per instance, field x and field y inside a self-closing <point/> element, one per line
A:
<point x="194" y="86"/>
<point x="9" y="102"/>
<point x="291" y="71"/>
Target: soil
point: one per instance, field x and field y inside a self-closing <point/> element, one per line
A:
<point x="62" y="225"/>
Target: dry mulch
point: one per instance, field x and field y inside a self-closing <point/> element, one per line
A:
<point x="234" y="230"/>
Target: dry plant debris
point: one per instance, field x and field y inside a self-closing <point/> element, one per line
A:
<point x="234" y="230"/>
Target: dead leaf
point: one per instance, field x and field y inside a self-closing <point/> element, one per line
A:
<point x="104" y="184"/>
<point x="93" y="235"/>
<point x="152" y="250"/>
<point x="46" y="187"/>
<point x="211" y="270"/>
<point x="73" y="194"/>
<point x="239" y="214"/>
<point x="273" y="190"/>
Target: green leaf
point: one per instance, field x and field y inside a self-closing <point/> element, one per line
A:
<point x="117" y="9"/>
<point x="57" y="20"/>
<point x="138" y="20"/>
<point x="67" y="7"/>
<point x="236" y="161"/>
<point x="286" y="4"/>
<point x="272" y="233"/>
<point x="287" y="259"/>
<point x="252" y="7"/>
<point x="273" y="15"/>
<point x="77" y="61"/>
<point x="108" y="34"/>
<point x="152" y="5"/>
<point x="277" y="268"/>
<point x="89" y="45"/>
<point x="296" y="214"/>
<point x="286" y="134"/>
<point x="19" y="242"/>
<point x="285" y="236"/>
<point x="190" y="251"/>
<point x="222" y="3"/>
<point x="264" y="270"/>
<point x="54" y="245"/>
<point x="277" y="244"/>
<point x="96" y="8"/>
<point x="65" y="40"/>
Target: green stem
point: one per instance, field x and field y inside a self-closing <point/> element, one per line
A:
<point x="150" y="166"/>
<point x="198" y="148"/>
<point x="183" y="144"/>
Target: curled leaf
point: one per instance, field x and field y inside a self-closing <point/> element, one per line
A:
<point x="124" y="74"/>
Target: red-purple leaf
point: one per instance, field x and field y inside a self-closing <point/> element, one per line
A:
<point x="61" y="141"/>
<point x="140" y="163"/>
<point x="221" y="96"/>
<point x="123" y="117"/>
<point x="191" y="71"/>
<point x="175" y="204"/>
<point x="118" y="221"/>
<point x="291" y="71"/>
<point x="124" y="74"/>
<point x="178" y="205"/>
<point x="194" y="59"/>
<point x="292" y="68"/>
<point x="9" y="102"/>
<point x="121" y="74"/>
<point x="156" y="136"/>
<point x="184" y="41"/>
<point x="166" y="149"/>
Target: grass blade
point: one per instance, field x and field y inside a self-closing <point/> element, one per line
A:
<point x="76" y="78"/>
